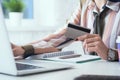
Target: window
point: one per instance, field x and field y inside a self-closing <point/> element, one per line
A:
<point x="28" y="12"/>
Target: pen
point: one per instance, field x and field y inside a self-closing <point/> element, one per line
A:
<point x="83" y="48"/>
<point x="70" y="56"/>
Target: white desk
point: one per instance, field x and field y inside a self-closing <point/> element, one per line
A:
<point x="95" y="67"/>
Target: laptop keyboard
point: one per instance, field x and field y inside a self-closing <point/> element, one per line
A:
<point x="21" y="66"/>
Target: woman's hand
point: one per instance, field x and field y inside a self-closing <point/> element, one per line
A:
<point x="17" y="50"/>
<point x="93" y="43"/>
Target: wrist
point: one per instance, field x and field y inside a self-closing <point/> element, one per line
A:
<point x="28" y="51"/>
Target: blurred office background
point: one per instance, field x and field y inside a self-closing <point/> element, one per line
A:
<point x="41" y="17"/>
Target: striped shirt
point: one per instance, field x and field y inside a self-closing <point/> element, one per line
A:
<point x="84" y="16"/>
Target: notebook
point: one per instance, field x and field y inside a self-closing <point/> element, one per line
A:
<point x="75" y="58"/>
<point x="12" y="67"/>
<point x="51" y="54"/>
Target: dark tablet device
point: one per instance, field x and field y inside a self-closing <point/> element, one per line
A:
<point x="97" y="77"/>
<point x="74" y="31"/>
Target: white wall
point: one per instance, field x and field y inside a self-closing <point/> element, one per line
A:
<point x="55" y="12"/>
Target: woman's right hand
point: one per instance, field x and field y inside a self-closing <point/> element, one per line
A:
<point x="94" y="43"/>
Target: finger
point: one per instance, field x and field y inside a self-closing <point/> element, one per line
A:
<point x="84" y="45"/>
<point x="93" y="39"/>
<point x="82" y="38"/>
<point x="90" y="45"/>
<point x="93" y="44"/>
<point x="18" y="57"/>
<point x="15" y="52"/>
<point x="91" y="49"/>
<point x="87" y="44"/>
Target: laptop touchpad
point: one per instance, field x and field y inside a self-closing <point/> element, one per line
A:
<point x="21" y="66"/>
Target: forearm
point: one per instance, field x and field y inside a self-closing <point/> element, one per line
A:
<point x="45" y="50"/>
<point x="30" y="50"/>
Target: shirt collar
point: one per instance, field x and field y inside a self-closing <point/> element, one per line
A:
<point x="115" y="6"/>
<point x="95" y="10"/>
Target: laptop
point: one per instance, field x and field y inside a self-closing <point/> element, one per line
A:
<point x="8" y="65"/>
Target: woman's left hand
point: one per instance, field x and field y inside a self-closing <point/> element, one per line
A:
<point x="93" y="43"/>
<point x="17" y="50"/>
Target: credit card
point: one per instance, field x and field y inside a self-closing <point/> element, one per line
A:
<point x="74" y="31"/>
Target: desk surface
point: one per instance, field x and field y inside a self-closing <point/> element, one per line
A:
<point x="96" y="67"/>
